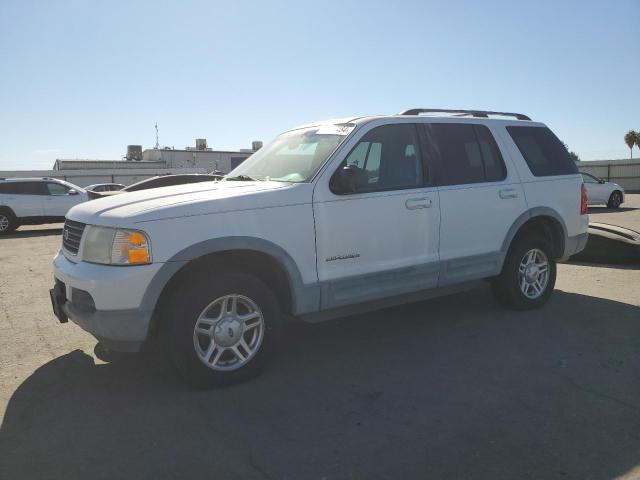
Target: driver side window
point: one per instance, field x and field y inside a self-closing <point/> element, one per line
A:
<point x="56" y="189"/>
<point x="387" y="158"/>
<point x="588" y="178"/>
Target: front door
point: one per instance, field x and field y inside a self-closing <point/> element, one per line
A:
<point x="58" y="200"/>
<point x="382" y="239"/>
<point x="596" y="191"/>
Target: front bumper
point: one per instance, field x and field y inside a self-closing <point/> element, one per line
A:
<point x="123" y="328"/>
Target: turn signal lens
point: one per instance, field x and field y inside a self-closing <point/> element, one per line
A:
<point x="130" y="248"/>
<point x="138" y="256"/>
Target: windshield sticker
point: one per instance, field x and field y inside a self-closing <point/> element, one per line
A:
<point x="339" y="129"/>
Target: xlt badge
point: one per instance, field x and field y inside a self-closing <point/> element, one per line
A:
<point x="342" y="257"/>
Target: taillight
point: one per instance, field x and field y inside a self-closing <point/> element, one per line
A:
<point x="583" y="200"/>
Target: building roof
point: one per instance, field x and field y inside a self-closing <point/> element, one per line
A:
<point x="193" y="150"/>
<point x="81" y="164"/>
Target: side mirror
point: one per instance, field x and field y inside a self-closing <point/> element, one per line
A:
<point x="601" y="181"/>
<point x="72" y="192"/>
<point x="348" y="179"/>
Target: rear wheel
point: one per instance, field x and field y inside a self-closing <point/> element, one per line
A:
<point x="8" y="221"/>
<point x="528" y="275"/>
<point x="221" y="328"/>
<point x="615" y="200"/>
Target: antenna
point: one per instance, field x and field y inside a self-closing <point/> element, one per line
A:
<point x="157" y="144"/>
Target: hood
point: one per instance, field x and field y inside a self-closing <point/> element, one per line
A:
<point x="203" y="198"/>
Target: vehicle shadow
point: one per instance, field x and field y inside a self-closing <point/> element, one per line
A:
<point x="453" y="387"/>
<point x="39" y="232"/>
<point x="603" y="209"/>
<point x="616" y="266"/>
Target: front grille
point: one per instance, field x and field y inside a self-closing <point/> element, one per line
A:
<point x="71" y="236"/>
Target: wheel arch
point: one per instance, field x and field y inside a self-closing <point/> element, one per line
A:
<point x="539" y="219"/>
<point x="268" y="261"/>
<point x="616" y="190"/>
<point x="8" y="209"/>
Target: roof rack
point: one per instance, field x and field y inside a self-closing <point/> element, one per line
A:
<point x="473" y="113"/>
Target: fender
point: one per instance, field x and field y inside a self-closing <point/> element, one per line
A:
<point x="305" y="297"/>
<point x="528" y="215"/>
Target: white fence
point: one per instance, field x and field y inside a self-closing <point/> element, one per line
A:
<point x="82" y="178"/>
<point x="625" y="173"/>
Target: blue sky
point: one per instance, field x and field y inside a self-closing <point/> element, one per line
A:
<point x="82" y="79"/>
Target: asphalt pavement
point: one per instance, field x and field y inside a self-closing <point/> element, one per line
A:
<point x="454" y="387"/>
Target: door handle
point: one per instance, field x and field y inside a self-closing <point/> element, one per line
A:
<point x="415" y="203"/>
<point x="508" y="193"/>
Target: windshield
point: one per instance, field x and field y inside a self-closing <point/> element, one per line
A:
<point x="293" y="156"/>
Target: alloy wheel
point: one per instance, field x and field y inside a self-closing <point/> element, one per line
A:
<point x="533" y="273"/>
<point x="228" y="332"/>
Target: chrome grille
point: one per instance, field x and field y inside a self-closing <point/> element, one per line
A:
<point x="71" y="236"/>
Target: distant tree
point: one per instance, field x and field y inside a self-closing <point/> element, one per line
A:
<point x="574" y="156"/>
<point x="638" y="140"/>
<point x="630" y="139"/>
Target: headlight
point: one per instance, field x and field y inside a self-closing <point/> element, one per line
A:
<point x="114" y="246"/>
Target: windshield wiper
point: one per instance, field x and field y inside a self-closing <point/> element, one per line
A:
<point x="243" y="178"/>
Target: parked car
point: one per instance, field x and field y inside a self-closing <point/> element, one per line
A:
<point x="601" y="192"/>
<point x="104" y="187"/>
<point x="33" y="201"/>
<point x="329" y="219"/>
<point x="162" y="181"/>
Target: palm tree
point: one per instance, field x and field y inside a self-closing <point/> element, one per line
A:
<point x="630" y="139"/>
<point x="638" y="140"/>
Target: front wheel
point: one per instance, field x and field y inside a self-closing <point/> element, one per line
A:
<point x="615" y="200"/>
<point x="221" y="328"/>
<point x="528" y="275"/>
<point x="8" y="222"/>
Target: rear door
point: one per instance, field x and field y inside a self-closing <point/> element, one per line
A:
<point x="24" y="197"/>
<point x="382" y="239"/>
<point x="480" y="199"/>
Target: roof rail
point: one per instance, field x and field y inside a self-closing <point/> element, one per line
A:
<point x="473" y="113"/>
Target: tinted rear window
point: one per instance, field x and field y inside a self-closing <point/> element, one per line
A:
<point x="544" y="153"/>
<point x="11" y="187"/>
<point x="468" y="153"/>
<point x="23" y="188"/>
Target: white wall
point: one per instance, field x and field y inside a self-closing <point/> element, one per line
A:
<point x="208" y="159"/>
<point x="625" y="173"/>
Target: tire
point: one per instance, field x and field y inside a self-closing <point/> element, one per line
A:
<point x="211" y="356"/>
<point x="8" y="221"/>
<point x="509" y="287"/>
<point x="614" y="200"/>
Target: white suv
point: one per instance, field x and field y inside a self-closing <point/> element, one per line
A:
<point x="32" y="201"/>
<point x="329" y="219"/>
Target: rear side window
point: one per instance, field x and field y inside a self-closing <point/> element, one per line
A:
<point x="23" y="188"/>
<point x="468" y="153"/>
<point x="9" y="187"/>
<point x="544" y="153"/>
